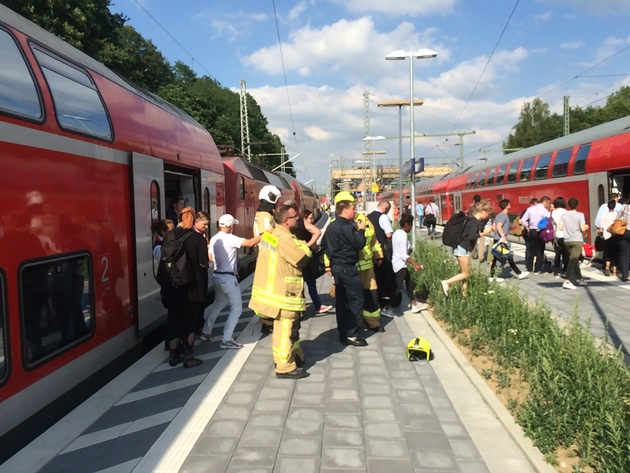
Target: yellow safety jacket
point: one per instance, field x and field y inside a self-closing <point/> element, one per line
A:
<point x="278" y="283"/>
<point x="263" y="222"/>
<point x="372" y="249"/>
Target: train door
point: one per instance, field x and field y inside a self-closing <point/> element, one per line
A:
<point x="439" y="201"/>
<point x="148" y="204"/>
<point x="212" y="198"/>
<point x="457" y="200"/>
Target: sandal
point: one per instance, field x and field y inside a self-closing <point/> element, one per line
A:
<point x="190" y="361"/>
<point x="175" y="358"/>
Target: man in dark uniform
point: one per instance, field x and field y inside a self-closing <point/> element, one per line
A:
<point x="342" y="243"/>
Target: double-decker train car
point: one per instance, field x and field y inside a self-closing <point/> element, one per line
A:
<point x="87" y="161"/>
<point x="589" y="165"/>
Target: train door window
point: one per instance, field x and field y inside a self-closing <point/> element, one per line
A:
<point x="501" y="174"/>
<point x="206" y="200"/>
<point x="542" y="167"/>
<point x="561" y="163"/>
<point x="580" y="160"/>
<point x="18" y="93"/>
<point x="57" y="306"/>
<point x="4" y="346"/>
<point x="156" y="210"/>
<point x="491" y="174"/>
<point x="482" y="179"/>
<point x="526" y="170"/>
<point x="242" y="189"/>
<point x="600" y="195"/>
<point x="78" y="106"/>
<point x="511" y="175"/>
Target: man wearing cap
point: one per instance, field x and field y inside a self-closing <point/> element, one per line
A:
<point x="278" y="290"/>
<point x="342" y="243"/>
<point x="222" y="250"/>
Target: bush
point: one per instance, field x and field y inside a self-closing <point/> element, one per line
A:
<point x="579" y="391"/>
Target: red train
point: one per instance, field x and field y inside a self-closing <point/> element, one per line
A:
<point x="588" y="165"/>
<point x="87" y="161"/>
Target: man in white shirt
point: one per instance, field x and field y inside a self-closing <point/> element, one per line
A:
<point x="603" y="209"/>
<point x="223" y="249"/>
<point x="431" y="213"/>
<point x="400" y="258"/>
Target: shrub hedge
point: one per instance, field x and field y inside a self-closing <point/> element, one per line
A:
<point x="579" y="390"/>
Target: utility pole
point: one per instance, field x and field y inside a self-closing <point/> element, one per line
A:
<point x="245" y="148"/>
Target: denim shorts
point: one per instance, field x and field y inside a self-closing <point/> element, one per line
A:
<point x="459" y="251"/>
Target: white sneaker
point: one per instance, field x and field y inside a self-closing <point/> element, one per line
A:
<point x="498" y="280"/>
<point x="419" y="307"/>
<point x="324" y="308"/>
<point x="385" y="312"/>
<point x="568" y="285"/>
<point x="444" y="288"/>
<point x="231" y="344"/>
<point x="523" y="275"/>
<point x="204" y="337"/>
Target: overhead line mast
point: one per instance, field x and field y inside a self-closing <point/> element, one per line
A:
<point x="245" y="148"/>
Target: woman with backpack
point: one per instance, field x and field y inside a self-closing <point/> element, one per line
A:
<point x="469" y="236"/>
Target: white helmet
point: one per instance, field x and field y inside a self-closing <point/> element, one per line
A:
<point x="269" y="193"/>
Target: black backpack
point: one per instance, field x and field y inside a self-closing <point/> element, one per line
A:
<point x="174" y="268"/>
<point x="454" y="228"/>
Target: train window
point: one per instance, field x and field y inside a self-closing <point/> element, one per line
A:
<point x="526" y="170"/>
<point x="242" y="188"/>
<point x="4" y="347"/>
<point x="542" y="166"/>
<point x="501" y="174"/>
<point x="580" y="160"/>
<point x="561" y="163"/>
<point x="18" y="94"/>
<point x="57" y="306"/>
<point x="78" y="106"/>
<point x="511" y="176"/>
<point x="482" y="179"/>
<point x="206" y="200"/>
<point x="491" y="174"/>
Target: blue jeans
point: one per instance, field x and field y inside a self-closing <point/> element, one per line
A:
<point x="311" y="283"/>
<point x="226" y="292"/>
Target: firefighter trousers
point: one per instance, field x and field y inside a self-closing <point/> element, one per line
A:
<point x="371" y="309"/>
<point x="285" y="342"/>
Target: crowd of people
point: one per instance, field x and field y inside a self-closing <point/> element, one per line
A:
<point x="370" y="264"/>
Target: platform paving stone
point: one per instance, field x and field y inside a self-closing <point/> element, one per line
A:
<point x="361" y="409"/>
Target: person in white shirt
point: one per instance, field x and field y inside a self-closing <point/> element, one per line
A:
<point x="603" y="209"/>
<point x="611" y="245"/>
<point x="561" y="259"/>
<point x="400" y="258"/>
<point x="223" y="249"/>
<point x="431" y="213"/>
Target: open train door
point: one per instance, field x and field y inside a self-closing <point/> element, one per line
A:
<point x="148" y="204"/>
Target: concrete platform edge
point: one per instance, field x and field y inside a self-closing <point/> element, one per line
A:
<point x="532" y="454"/>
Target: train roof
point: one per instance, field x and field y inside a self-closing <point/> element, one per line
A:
<point x="60" y="47"/>
<point x="615" y="127"/>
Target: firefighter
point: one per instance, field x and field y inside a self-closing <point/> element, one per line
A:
<point x="342" y="243"/>
<point x="264" y="222"/>
<point x="371" y="254"/>
<point x="278" y="290"/>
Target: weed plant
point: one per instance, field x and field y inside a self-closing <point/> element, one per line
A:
<point x="579" y="394"/>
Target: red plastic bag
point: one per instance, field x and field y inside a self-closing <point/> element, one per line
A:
<point x="588" y="250"/>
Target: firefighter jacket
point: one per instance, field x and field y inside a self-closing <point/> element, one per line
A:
<point x="278" y="283"/>
<point x="263" y="222"/>
<point x="372" y="250"/>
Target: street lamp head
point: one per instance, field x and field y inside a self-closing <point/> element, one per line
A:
<point x="401" y="54"/>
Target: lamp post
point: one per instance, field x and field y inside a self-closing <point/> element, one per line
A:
<point x="372" y="152"/>
<point x="400" y="104"/>
<point x="400" y="55"/>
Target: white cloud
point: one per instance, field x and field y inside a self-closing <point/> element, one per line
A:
<point x="349" y="49"/>
<point x="573" y="45"/>
<point x="399" y="7"/>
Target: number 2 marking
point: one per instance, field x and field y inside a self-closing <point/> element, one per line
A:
<point x="105" y="266"/>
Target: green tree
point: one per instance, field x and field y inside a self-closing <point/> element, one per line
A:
<point x="536" y="125"/>
<point x="86" y="24"/>
<point x="137" y="59"/>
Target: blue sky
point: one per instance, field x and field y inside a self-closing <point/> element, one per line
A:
<point x="493" y="56"/>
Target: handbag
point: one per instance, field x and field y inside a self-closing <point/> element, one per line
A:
<point x="618" y="227"/>
<point x="502" y="252"/>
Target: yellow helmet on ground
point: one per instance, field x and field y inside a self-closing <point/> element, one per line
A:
<point x="418" y="348"/>
<point x="344" y="196"/>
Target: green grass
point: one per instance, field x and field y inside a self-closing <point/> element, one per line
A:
<point x="579" y="392"/>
